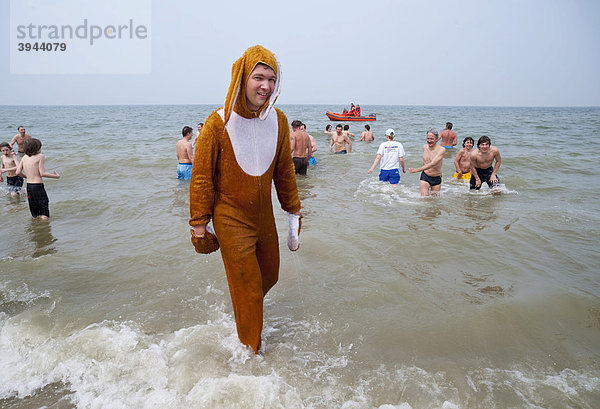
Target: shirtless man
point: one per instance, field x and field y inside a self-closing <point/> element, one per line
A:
<point x="300" y="144"/>
<point x="339" y="140"/>
<point x="200" y="125"/>
<point x="367" y="135"/>
<point x="481" y="164"/>
<point x="313" y="146"/>
<point x="20" y="139"/>
<point x="433" y="155"/>
<point x="462" y="162"/>
<point x="185" y="154"/>
<point x="448" y="137"/>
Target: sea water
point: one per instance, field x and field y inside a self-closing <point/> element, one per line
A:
<point x="468" y="300"/>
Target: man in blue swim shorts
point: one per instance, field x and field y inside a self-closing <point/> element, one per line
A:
<point x="391" y="154"/>
<point x="431" y="176"/>
<point x="482" y="159"/>
<point x="448" y="137"/>
<point x="185" y="154"/>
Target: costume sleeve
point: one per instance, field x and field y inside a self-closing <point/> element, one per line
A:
<point x="284" y="176"/>
<point x="202" y="189"/>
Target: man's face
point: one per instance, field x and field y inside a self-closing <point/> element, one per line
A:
<point x="484" y="147"/>
<point x="260" y="86"/>
<point x="338" y="129"/>
<point x="22" y="131"/>
<point x="430" y="139"/>
<point x="303" y="127"/>
<point x="468" y="145"/>
<point x="199" y="128"/>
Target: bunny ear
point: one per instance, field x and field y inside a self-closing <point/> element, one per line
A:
<point x="237" y="72"/>
<point x="275" y="93"/>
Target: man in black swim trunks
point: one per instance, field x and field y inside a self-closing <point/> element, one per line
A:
<point x="433" y="155"/>
<point x="482" y="159"/>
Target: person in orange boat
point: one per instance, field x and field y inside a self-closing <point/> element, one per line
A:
<point x="352" y="111"/>
<point x="244" y="147"/>
<point x="358" y="110"/>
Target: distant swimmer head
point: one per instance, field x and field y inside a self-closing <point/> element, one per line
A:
<point x="328" y="128"/>
<point x="390" y="133"/>
<point x="367" y="127"/>
<point x="448" y="125"/>
<point x="346" y="127"/>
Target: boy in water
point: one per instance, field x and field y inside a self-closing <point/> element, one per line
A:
<point x="481" y="164"/>
<point x="462" y="162"/>
<point x="33" y="166"/>
<point x="9" y="165"/>
<point x="347" y="131"/>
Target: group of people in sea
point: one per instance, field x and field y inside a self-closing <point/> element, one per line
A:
<point x="245" y="147"/>
<point x="27" y="163"/>
<point x="472" y="165"/>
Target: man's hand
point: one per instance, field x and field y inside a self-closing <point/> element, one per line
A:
<point x="200" y="230"/>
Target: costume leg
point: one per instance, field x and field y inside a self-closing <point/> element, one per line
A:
<point x="267" y="253"/>
<point x="238" y="250"/>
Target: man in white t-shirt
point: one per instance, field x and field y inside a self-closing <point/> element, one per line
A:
<point x="391" y="154"/>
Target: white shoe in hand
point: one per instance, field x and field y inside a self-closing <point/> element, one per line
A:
<point x="295" y="222"/>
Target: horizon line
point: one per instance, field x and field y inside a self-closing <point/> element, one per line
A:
<point x="287" y="104"/>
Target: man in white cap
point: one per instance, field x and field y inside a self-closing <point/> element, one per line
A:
<point x="391" y="154"/>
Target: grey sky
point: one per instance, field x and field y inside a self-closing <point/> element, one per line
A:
<point x="496" y="53"/>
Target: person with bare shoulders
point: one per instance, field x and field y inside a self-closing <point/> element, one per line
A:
<point x="185" y="154"/>
<point x="300" y="145"/>
<point x="482" y="159"/>
<point x="367" y="135"/>
<point x="339" y="141"/>
<point x="433" y="155"/>
<point x="32" y="165"/>
<point x="462" y="162"/>
<point x="9" y="164"/>
<point x="328" y="130"/>
<point x="20" y="139"/>
<point x="347" y="132"/>
<point x="448" y="137"/>
<point x="200" y="125"/>
<point x="313" y="147"/>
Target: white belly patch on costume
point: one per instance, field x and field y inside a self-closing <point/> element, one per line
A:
<point x="254" y="141"/>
